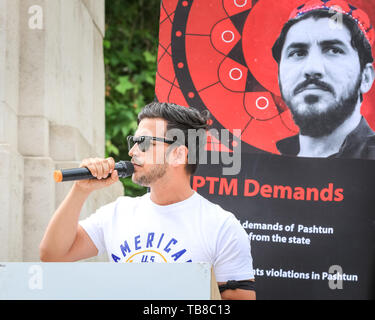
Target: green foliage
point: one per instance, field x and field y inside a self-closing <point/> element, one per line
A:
<point x="130" y="56"/>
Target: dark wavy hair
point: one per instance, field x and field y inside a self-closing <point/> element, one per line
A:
<point x="358" y="41"/>
<point x="183" y="119"/>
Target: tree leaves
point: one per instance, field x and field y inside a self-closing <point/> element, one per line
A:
<point x="124" y="85"/>
<point x="130" y="57"/>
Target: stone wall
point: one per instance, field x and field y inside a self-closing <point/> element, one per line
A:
<point x="52" y="109"/>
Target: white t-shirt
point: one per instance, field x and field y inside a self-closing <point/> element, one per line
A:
<point x="193" y="230"/>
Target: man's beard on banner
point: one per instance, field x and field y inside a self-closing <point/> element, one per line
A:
<point x="319" y="124"/>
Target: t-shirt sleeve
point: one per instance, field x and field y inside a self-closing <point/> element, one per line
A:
<point x="94" y="226"/>
<point x="233" y="253"/>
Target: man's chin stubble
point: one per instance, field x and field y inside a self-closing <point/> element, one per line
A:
<point x="146" y="180"/>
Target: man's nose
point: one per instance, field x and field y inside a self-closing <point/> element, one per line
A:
<point x="313" y="65"/>
<point x="133" y="150"/>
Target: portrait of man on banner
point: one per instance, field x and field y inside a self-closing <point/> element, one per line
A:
<point x="241" y="62"/>
<point x="325" y="66"/>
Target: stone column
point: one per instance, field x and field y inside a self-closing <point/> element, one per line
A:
<point x="52" y="87"/>
<point x="11" y="162"/>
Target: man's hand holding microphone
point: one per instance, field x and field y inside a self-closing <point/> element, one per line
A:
<point x="64" y="239"/>
<point x="103" y="170"/>
<point x="95" y="173"/>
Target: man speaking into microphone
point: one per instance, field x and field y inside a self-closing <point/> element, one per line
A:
<point x="172" y="223"/>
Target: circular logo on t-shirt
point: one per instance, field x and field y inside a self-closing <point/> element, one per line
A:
<point x="151" y="247"/>
<point x="147" y="256"/>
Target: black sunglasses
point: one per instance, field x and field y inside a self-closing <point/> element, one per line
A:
<point x="144" y="142"/>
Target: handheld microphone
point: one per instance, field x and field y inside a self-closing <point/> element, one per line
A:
<point x="124" y="169"/>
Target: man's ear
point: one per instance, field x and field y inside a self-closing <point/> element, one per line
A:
<point x="179" y="155"/>
<point x="368" y="76"/>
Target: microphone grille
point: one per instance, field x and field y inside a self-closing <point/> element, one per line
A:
<point x="125" y="169"/>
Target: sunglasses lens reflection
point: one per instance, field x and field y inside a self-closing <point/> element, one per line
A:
<point x="143" y="144"/>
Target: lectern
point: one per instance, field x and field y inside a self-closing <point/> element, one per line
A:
<point x="107" y="281"/>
